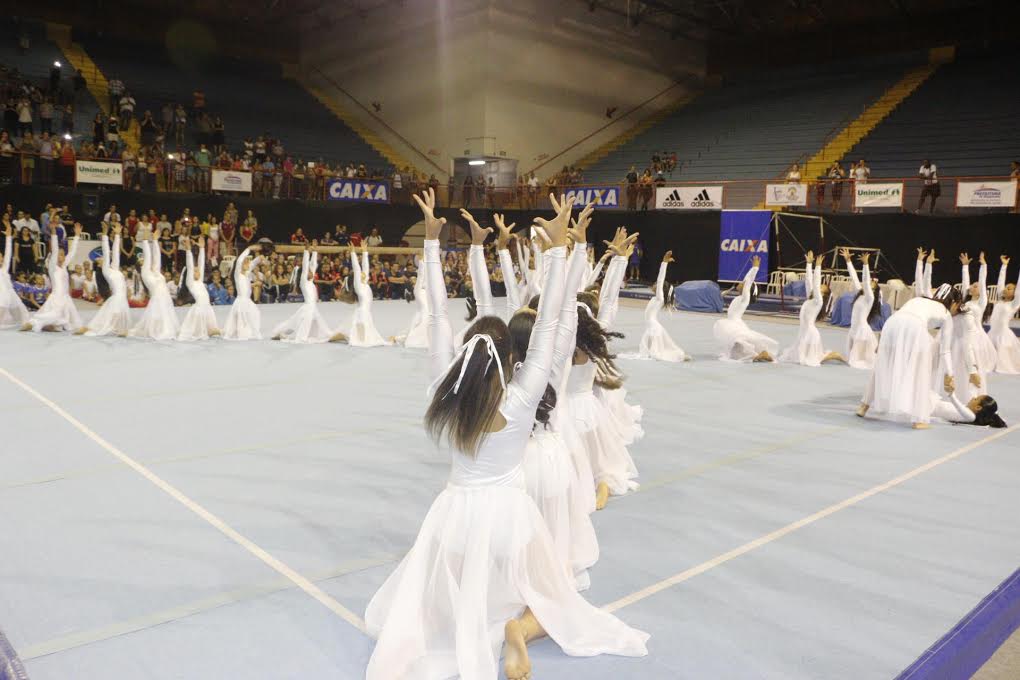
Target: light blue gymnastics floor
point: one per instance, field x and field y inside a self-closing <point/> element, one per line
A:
<point x="226" y="510"/>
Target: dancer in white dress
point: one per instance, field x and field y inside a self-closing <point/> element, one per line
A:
<point x="655" y="342"/>
<point x="737" y="341"/>
<point x="808" y="349"/>
<point x="905" y="370"/>
<point x="159" y="320"/>
<point x="244" y="322"/>
<point x="114" y="317"/>
<point x="416" y="336"/>
<point x="973" y="351"/>
<point x="58" y="313"/>
<point x="861" y="340"/>
<point x="306" y="325"/>
<point x="483" y="570"/>
<point x="12" y="310"/>
<point x="1007" y="345"/>
<point x="363" y="332"/>
<point x="200" y="321"/>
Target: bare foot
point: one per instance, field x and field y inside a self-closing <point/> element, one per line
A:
<point x="215" y="332"/>
<point x="81" y="331"/>
<point x="339" y="337"/>
<point x="834" y="356"/>
<point x="276" y="337"/>
<point x="601" y="495"/>
<point x="26" y="327"/>
<point x="862" y="410"/>
<point x="920" y="426"/>
<point x="763" y="357"/>
<point x="122" y="334"/>
<point x="516" y="663"/>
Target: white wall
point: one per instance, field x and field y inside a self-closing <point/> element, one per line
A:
<point x="535" y="75"/>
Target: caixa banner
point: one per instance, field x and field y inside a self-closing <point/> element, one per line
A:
<point x="600" y="197"/>
<point x="358" y="190"/>
<point x="742" y="235"/>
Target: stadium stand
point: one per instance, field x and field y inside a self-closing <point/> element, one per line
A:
<point x="964" y="118"/>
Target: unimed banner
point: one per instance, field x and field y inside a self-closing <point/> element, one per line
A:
<point x="688" y="198"/>
<point x="231" y="180"/>
<point x="986" y="194"/>
<point x="601" y="197"/>
<point x="886" y="195"/>
<point x="792" y="193"/>
<point x="359" y="190"/>
<point x="742" y="235"/>
<point x="99" y="172"/>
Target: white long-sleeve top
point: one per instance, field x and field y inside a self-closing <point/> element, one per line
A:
<point x="862" y="305"/>
<point x="656" y="303"/>
<point x="499" y="457"/>
<point x="953" y="410"/>
<point x="196" y="285"/>
<point x="813" y="305"/>
<point x="513" y="289"/>
<point x="243" y="279"/>
<point x="480" y="284"/>
<point x="609" y="294"/>
<point x="110" y="265"/>
<point x="309" y="265"/>
<point x="937" y="317"/>
<point x="361" y="288"/>
<point x="1004" y="310"/>
<point x="922" y="279"/>
<point x="739" y="304"/>
<point x="969" y="318"/>
<point x="60" y="282"/>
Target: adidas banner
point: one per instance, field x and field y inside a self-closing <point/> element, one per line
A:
<point x="688" y="198"/>
<point x="886" y="195"/>
<point x="742" y="235"/>
<point x="792" y="193"/>
<point x="601" y="197"/>
<point x="986" y="194"/>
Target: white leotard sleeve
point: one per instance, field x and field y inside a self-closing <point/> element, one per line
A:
<point x="566" y="332"/>
<point x="534" y="375"/>
<point x="739" y="304"/>
<point x="440" y="333"/>
<point x="480" y="281"/>
<point x="852" y="273"/>
<point x="513" y="292"/>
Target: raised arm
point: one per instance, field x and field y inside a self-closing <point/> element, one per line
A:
<point x="355" y="268"/>
<point x="738" y="305"/>
<point x="919" y="274"/>
<point x="577" y="267"/>
<point x="1003" y="268"/>
<point x="104" y="243"/>
<point x="201" y="261"/>
<point x="596" y="271"/>
<point x="239" y="265"/>
<point x="305" y="259"/>
<point x="440" y="333"/>
<point x="809" y="276"/>
<point x="51" y="259"/>
<point x="314" y="262"/>
<point x="146" y="257"/>
<point x="851" y="272"/>
<point x="660" y="296"/>
<point x="537" y="279"/>
<point x="72" y="248"/>
<point x="869" y="292"/>
<point x="476" y="266"/>
<point x="982" y="284"/>
<point x="951" y="408"/>
<point x="115" y="258"/>
<point x="189" y="262"/>
<point x="513" y="292"/>
<point x="964" y="273"/>
<point x="816" y="291"/>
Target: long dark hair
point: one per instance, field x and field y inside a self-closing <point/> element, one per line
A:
<point x="987" y="413"/>
<point x="521" y="325"/>
<point x="472" y="308"/>
<point x="462" y="418"/>
<point x="593" y="340"/>
<point x="949" y="299"/>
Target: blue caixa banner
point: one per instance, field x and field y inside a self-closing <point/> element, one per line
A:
<point x="600" y="196"/>
<point x="368" y="190"/>
<point x="742" y="235"/>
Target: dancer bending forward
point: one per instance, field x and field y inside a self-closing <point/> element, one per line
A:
<point x="808" y="349"/>
<point x="737" y="341"/>
<point x="306" y="325"/>
<point x="200" y="322"/>
<point x="58" y="313"/>
<point x="906" y="368"/>
<point x="483" y="570"/>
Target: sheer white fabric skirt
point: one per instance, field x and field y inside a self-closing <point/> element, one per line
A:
<point x="807" y="350"/>
<point x="306" y="326"/>
<point x="244" y="322"/>
<point x="861" y="346"/>
<point x="198" y="323"/>
<point x="905" y="370"/>
<point x="600" y="439"/>
<point x="159" y="320"/>
<point x="738" y="342"/>
<point x="482" y="555"/>
<point x="12" y="309"/>
<point x="657" y="344"/>
<point x="113" y="318"/>
<point x="57" y="312"/>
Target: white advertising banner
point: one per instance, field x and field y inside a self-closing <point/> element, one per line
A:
<point x="99" y="172"/>
<point x="688" y="198"/>
<point x="231" y="180"/>
<point x="986" y="194"/>
<point x="885" y="195"/>
<point x="792" y="193"/>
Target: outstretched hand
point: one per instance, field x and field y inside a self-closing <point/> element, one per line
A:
<point x="505" y="234"/>
<point x="756" y="261"/>
<point x="556" y="228"/>
<point x="931" y="257"/>
<point x="427" y="203"/>
<point x="964" y="259"/>
<point x="579" y="230"/>
<point x="845" y="253"/>
<point x="921" y="252"/>
<point x="810" y="257"/>
<point x="478" y="234"/>
<point x="1004" y="259"/>
<point x="981" y="257"/>
<point x="668" y="257"/>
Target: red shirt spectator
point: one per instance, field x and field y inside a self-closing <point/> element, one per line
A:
<point x="298" y="237"/>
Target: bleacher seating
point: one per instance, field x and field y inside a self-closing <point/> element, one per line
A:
<point x="756" y="126"/>
<point x="35" y="64"/>
<point x="252" y="98"/>
<point x="964" y="118"/>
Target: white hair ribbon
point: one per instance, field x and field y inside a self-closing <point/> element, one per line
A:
<point x="586" y="308"/>
<point x="466" y="350"/>
<point x="943" y="292"/>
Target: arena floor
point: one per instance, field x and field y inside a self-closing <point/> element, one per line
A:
<point x="226" y="510"/>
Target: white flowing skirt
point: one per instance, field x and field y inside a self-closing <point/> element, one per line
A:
<point x="198" y="323"/>
<point x="1007" y="350"/>
<point x="905" y="368"/>
<point x="57" y="312"/>
<point x="417" y="337"/>
<point x="656" y="344"/>
<point x="305" y="326"/>
<point x="159" y="320"/>
<point x="738" y="342"/>
<point x="623" y="417"/>
<point x="12" y="310"/>
<point x="550" y="478"/>
<point x="610" y="460"/>
<point x="808" y="350"/>
<point x="244" y="322"/>
<point x="363" y="332"/>
<point x="113" y="318"/>
<point x="482" y="555"/>
<point x="861" y="346"/>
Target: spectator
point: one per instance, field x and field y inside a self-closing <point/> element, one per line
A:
<point x="67" y="120"/>
<point x="860" y="175"/>
<point x="490" y="193"/>
<point x="647" y="191"/>
<point x="340" y="234"/>
<point x="26" y="221"/>
<point x="1014" y="174"/>
<point x="298" y="237"/>
<point x="218" y="294"/>
<point x="115" y="87"/>
<point x="166" y="116"/>
<point x="219" y="137"/>
<point x="467" y="192"/>
<point x="112" y="130"/>
<point x="794" y="175"/>
<point x="28" y="151"/>
<point x="148" y="129"/>
<point x="46" y="113"/>
<point x="930" y="177"/>
<point x="374" y="240"/>
<point x="24" y="116"/>
<point x="180" y="125"/>
<point x="398" y="282"/>
<point x="203" y="161"/>
<point x="26" y="252"/>
<point x="98" y="129"/>
<point x="632" y="188"/>
<point x="836" y="176"/>
<point x="127" y="111"/>
<point x="112" y="215"/>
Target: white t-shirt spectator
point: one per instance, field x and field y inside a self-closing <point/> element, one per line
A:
<point x="127" y="103"/>
<point x="110" y="217"/>
<point x="793" y="176"/>
<point x="929" y="174"/>
<point x="374" y="241"/>
<point x="116" y="87"/>
<point x="398" y="182"/>
<point x="533" y="183"/>
<point x="861" y="173"/>
<point x="29" y="222"/>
